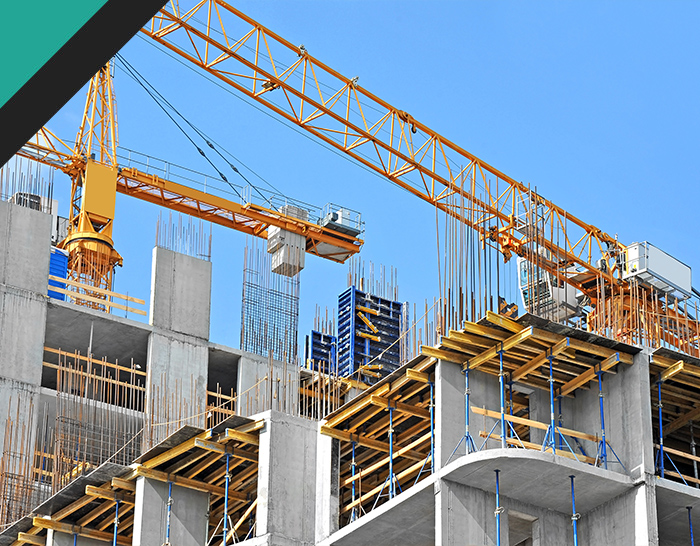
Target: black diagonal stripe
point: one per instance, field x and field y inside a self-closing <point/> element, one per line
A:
<point x="69" y="69"/>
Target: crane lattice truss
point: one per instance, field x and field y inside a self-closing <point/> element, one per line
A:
<point x="285" y="78"/>
<point x="507" y="214"/>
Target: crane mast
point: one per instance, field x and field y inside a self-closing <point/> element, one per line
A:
<point x="507" y="214"/>
<point x="97" y="176"/>
<point x="91" y="254"/>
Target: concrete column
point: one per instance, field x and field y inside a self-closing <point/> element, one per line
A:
<point x="449" y="411"/>
<point x="180" y="293"/>
<point x="178" y="356"/>
<point x="25" y="239"/>
<point x="629" y="415"/>
<point x="450" y="405"/>
<point x="287" y="480"/>
<point x="188" y="519"/>
<point x="464" y="515"/>
<point x="254" y="393"/>
<point x="176" y="384"/>
<point x="327" y="486"/>
<point x="629" y="519"/>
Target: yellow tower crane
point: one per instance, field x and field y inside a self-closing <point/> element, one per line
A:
<point x="237" y="50"/>
<point x="97" y="177"/>
<point x="240" y="52"/>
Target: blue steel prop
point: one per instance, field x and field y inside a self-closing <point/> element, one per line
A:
<point x="574" y="516"/>
<point x="353" y="513"/>
<point x="168" y="517"/>
<point x="661" y="455"/>
<point x="116" y="523"/>
<point x="690" y="525"/>
<point x="694" y="454"/>
<point x="468" y="440"/>
<point x="552" y="428"/>
<point x="499" y="509"/>
<point x="226" y="486"/>
<point x="603" y="444"/>
<point x="391" y="479"/>
<point x="504" y="424"/>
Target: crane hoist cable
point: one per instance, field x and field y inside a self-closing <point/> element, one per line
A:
<point x="162" y="102"/>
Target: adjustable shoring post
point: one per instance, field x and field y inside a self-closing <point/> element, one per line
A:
<point x="170" y="510"/>
<point x="75" y="539"/>
<point x="432" y="427"/>
<point x="560" y="421"/>
<point x="510" y="404"/>
<point x="660" y="456"/>
<point x="116" y="523"/>
<point x="353" y="514"/>
<point x="504" y="443"/>
<point x="499" y="509"/>
<point x="468" y="440"/>
<point x="549" y="434"/>
<point x="574" y="516"/>
<point x="469" y="444"/>
<point x="692" y="451"/>
<point x="690" y="524"/>
<point x="392" y="491"/>
<point x="602" y="450"/>
<point x="226" y="486"/>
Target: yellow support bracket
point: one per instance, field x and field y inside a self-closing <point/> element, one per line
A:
<point x="369" y="336"/>
<point x="367" y="322"/>
<point x="367" y="310"/>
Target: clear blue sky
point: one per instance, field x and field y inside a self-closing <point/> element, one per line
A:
<point x="595" y="103"/>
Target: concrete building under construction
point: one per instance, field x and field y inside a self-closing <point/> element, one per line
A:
<point x="565" y="416"/>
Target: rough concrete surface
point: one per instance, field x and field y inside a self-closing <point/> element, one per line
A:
<point x="180" y="293"/>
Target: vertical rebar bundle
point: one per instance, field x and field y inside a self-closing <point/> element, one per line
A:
<point x="270" y="308"/>
<point x="186" y="236"/>
<point x="27" y="183"/>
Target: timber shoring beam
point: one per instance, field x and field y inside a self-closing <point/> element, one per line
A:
<point x="45" y="523"/>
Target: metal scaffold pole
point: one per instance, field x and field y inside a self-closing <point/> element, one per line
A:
<point x="504" y="443"/>
<point x="469" y="444"/>
<point x="602" y="451"/>
<point x="574" y="516"/>
<point x="392" y="490"/>
<point x="353" y="514"/>
<point x="690" y="525"/>
<point x="432" y="427"/>
<point x="499" y="509"/>
<point x="170" y="511"/>
<point x="226" y="486"/>
<point x="116" y="522"/>
<point x="692" y="451"/>
<point x="549" y="434"/>
<point x="661" y="433"/>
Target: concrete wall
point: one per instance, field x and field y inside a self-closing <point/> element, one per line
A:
<point x="253" y="393"/>
<point x="178" y="356"/>
<point x="466" y="515"/>
<point x="327" y="486"/>
<point x="287" y="480"/>
<point x="627" y="520"/>
<point x="450" y="404"/>
<point x="188" y="520"/>
<point x="25" y="237"/>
